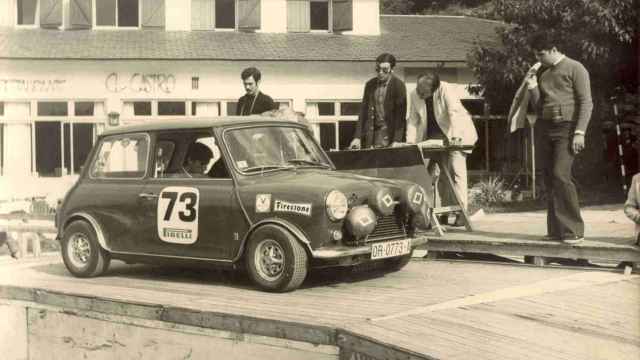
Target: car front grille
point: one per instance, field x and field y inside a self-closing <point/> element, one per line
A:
<point x="387" y="228"/>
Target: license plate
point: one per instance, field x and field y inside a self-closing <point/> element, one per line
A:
<point x="390" y="249"/>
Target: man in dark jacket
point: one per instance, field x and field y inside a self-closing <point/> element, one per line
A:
<point x="254" y="101"/>
<point x="382" y="119"/>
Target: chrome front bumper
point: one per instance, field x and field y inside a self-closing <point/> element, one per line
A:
<point x="342" y="251"/>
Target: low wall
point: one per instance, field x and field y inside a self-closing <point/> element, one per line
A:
<point x="43" y="324"/>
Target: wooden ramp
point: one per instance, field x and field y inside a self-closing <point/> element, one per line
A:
<point x="429" y="310"/>
<point x="608" y="237"/>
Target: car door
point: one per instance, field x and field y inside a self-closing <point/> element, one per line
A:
<point x="111" y="190"/>
<point x="189" y="215"/>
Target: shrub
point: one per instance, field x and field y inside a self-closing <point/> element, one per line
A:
<point x="490" y="191"/>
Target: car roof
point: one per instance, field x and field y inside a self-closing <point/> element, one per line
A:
<point x="182" y="123"/>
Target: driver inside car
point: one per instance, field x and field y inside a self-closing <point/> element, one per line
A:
<point x="197" y="159"/>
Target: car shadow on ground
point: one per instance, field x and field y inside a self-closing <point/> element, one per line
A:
<point x="119" y="273"/>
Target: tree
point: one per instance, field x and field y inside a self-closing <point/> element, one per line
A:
<point x="396" y="7"/>
<point x="599" y="33"/>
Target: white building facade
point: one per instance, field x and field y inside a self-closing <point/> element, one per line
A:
<point x="66" y="65"/>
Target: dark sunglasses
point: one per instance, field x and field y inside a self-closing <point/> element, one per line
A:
<point x="384" y="70"/>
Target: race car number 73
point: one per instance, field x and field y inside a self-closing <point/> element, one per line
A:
<point x="177" y="214"/>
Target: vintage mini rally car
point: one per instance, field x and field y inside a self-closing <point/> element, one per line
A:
<point x="253" y="192"/>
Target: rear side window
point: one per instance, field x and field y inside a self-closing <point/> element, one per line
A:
<point x="121" y="157"/>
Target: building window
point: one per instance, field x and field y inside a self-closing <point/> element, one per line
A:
<point x="62" y="143"/>
<point x="142" y="108"/>
<point x="213" y="14"/>
<point x="1" y="149"/>
<point x="334" y="122"/>
<point x="27" y="12"/>
<point x="52" y="108"/>
<point x="232" y="106"/>
<point x="205" y="108"/>
<point x="171" y="108"/>
<point x="225" y="14"/>
<point x="117" y="13"/>
<point x="84" y="108"/>
<point x="319" y="15"/>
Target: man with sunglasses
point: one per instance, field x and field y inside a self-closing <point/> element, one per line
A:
<point x="382" y="118"/>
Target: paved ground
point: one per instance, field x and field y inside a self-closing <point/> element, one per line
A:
<point x="452" y="310"/>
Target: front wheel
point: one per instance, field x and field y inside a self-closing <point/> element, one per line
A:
<point x="82" y="254"/>
<point x="275" y="260"/>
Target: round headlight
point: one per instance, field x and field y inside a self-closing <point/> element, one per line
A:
<point x="413" y="197"/>
<point x="384" y="202"/>
<point x="337" y="206"/>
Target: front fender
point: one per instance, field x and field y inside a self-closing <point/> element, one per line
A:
<point x="294" y="230"/>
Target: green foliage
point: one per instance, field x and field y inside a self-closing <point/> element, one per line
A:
<point x="402" y="7"/>
<point x="489" y="191"/>
<point x="598" y="33"/>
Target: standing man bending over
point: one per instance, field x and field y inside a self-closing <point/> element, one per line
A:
<point x="254" y="101"/>
<point x="382" y="119"/>
<point x="437" y="113"/>
<point x="562" y="93"/>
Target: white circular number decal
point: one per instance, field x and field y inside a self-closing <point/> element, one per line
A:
<point x="178" y="214"/>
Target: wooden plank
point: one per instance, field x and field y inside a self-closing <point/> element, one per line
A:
<point x="361" y="347"/>
<point x="69" y="336"/>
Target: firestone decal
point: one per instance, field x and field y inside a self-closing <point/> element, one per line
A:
<point x="297" y="208"/>
<point x="177" y="215"/>
<point x="263" y="203"/>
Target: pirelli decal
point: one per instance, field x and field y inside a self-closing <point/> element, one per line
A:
<point x="296" y="208"/>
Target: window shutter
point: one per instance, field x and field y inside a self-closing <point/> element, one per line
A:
<point x="50" y="13"/>
<point x="202" y="14"/>
<point x="80" y="13"/>
<point x="298" y="12"/>
<point x="249" y="14"/>
<point x="153" y="13"/>
<point x="342" y="15"/>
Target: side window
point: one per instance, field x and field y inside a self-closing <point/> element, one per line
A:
<point x="122" y="156"/>
<point x="197" y="157"/>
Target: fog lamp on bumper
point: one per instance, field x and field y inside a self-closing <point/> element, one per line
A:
<point x="360" y="221"/>
<point x="383" y="201"/>
<point x="414" y="197"/>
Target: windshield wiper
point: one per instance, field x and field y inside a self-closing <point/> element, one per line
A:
<point x="266" y="167"/>
<point x="308" y="162"/>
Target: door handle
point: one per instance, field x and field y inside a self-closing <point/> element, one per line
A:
<point x="148" y="195"/>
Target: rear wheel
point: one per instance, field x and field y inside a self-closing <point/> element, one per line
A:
<point x="275" y="260"/>
<point x="82" y="254"/>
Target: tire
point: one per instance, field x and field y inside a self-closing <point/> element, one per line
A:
<point x="397" y="263"/>
<point x="82" y="254"/>
<point x="275" y="260"/>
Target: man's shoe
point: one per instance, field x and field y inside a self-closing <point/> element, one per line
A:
<point x="550" y="238"/>
<point x="573" y="240"/>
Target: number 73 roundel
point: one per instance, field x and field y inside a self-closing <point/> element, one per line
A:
<point x="178" y="214"/>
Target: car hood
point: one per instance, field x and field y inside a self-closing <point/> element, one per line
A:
<point x="307" y="181"/>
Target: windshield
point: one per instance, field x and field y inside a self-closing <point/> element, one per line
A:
<point x="273" y="147"/>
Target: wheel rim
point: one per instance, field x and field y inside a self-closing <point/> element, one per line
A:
<point x="269" y="259"/>
<point x="79" y="250"/>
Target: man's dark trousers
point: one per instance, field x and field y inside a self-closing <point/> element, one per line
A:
<point x="563" y="209"/>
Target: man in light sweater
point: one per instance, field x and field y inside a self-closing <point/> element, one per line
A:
<point x="561" y="92"/>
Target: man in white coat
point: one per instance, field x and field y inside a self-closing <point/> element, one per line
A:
<point x="437" y="113"/>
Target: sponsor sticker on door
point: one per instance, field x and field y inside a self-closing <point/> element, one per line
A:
<point x="263" y="203"/>
<point x="177" y="215"/>
<point x="296" y="208"/>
